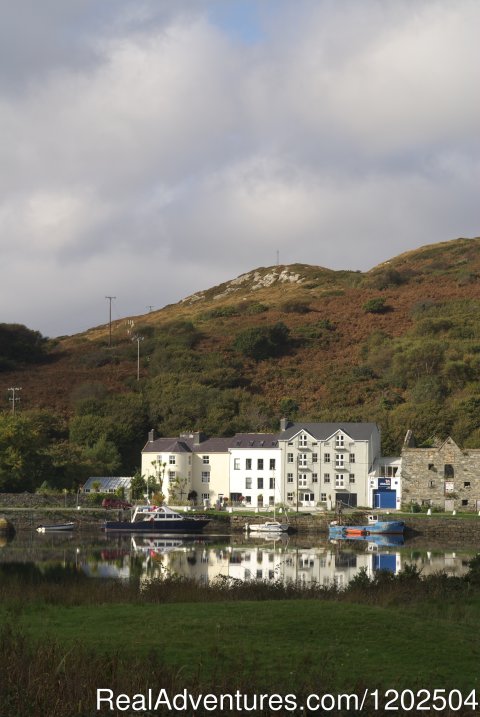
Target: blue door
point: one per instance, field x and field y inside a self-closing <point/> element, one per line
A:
<point x="385" y="499"/>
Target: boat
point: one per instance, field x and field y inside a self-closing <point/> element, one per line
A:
<point x="270" y="526"/>
<point x="55" y="527"/>
<point x="374" y="527"/>
<point x="158" y="519"/>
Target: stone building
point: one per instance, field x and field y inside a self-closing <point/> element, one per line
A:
<point x="444" y="476"/>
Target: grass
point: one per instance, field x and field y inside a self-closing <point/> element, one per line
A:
<point x="62" y="635"/>
<point x="338" y="641"/>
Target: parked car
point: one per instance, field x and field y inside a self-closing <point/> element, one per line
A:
<point x="116" y="503"/>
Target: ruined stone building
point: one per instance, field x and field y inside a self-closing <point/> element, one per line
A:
<point x="445" y="475"/>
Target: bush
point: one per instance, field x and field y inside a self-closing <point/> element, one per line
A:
<point x="376" y="306"/>
<point x="263" y="342"/>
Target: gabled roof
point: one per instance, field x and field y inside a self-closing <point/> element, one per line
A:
<point x="324" y="431"/>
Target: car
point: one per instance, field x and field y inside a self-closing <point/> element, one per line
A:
<point x="116" y="503"/>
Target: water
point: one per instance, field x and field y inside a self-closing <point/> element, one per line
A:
<point x="302" y="558"/>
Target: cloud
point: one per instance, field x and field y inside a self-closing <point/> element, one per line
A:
<point x="153" y="149"/>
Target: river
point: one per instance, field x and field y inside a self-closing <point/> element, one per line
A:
<point x="236" y="557"/>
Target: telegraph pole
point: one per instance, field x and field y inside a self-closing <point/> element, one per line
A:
<point x="110" y="320"/>
<point x="138" y="339"/>
<point x="14" y="398"/>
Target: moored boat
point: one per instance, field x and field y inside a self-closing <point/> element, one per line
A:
<point x="270" y="526"/>
<point x="374" y="527"/>
<point x="55" y="527"/>
<point x="158" y="519"/>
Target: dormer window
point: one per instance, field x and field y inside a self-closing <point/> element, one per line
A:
<point x="302" y="440"/>
<point x="340" y="440"/>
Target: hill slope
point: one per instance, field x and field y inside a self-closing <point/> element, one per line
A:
<point x="399" y="344"/>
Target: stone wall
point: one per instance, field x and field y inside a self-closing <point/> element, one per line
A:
<point x="445" y="476"/>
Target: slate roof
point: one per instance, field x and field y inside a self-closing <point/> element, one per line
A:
<point x="255" y="440"/>
<point x="324" y="431"/>
<point x="187" y="445"/>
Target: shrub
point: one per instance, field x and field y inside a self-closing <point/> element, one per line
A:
<point x="263" y="342"/>
<point x="376" y="306"/>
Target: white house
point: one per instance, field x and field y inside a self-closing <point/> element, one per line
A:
<point x="328" y="463"/>
<point x="255" y="471"/>
<point x="188" y="463"/>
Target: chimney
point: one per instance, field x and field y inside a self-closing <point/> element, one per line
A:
<point x="151" y="435"/>
<point x="284" y="424"/>
<point x="198" y="437"/>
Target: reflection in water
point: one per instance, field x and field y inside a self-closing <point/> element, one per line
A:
<point x="205" y="558"/>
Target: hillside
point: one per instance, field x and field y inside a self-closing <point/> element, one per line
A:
<point x="399" y="344"/>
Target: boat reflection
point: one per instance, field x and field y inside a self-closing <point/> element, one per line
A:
<point x="207" y="558"/>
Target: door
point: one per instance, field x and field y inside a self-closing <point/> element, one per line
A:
<point x="385" y="499"/>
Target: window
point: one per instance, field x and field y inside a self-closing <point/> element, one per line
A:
<point x="302" y="440"/>
<point x="205" y="477"/>
<point x="248" y="483"/>
<point x="339" y="460"/>
<point x="260" y="464"/>
<point x="309" y="497"/>
<point x="302" y="460"/>
<point x="326" y="457"/>
<point x="448" y="471"/>
<point x="352" y="457"/>
<point x="323" y="496"/>
<point x="289" y="457"/>
<point x="272" y="464"/>
<point x="289" y="477"/>
<point x="326" y="477"/>
<point x="314" y="457"/>
<point x="248" y="499"/>
<point x="314" y="477"/>
<point x="259" y="483"/>
<point x="205" y="496"/>
<point x="205" y="460"/>
<point x="290" y="497"/>
<point x="431" y="484"/>
<point x="351" y="478"/>
<point x="236" y="464"/>
<point x="339" y="441"/>
<point x="466" y="484"/>
<point x="171" y="460"/>
<point x="302" y="480"/>
<point x="171" y="475"/>
<point x="465" y="502"/>
<point x="272" y="483"/>
<point x="340" y="481"/>
<point x="248" y="464"/>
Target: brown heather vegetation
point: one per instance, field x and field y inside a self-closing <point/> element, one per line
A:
<point x="214" y="362"/>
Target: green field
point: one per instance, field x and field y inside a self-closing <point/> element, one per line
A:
<point x="62" y="641"/>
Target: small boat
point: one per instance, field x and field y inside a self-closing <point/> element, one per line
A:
<point x="270" y="526"/>
<point x="158" y="519"/>
<point x="374" y="527"/>
<point x="55" y="528"/>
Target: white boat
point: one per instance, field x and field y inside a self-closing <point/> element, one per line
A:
<point x="55" y="528"/>
<point x="270" y="526"/>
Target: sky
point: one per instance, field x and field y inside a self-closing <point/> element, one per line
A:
<point x="150" y="149"/>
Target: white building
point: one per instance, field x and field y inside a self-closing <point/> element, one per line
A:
<point x="255" y="470"/>
<point x="327" y="463"/>
<point x="188" y="463"/>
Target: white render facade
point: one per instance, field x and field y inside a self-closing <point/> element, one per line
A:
<point x="304" y="466"/>
<point x="255" y="471"/>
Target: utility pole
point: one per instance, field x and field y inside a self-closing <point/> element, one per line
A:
<point x="150" y="309"/>
<point x="110" y="320"/>
<point x="138" y="339"/>
<point x="14" y="398"/>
